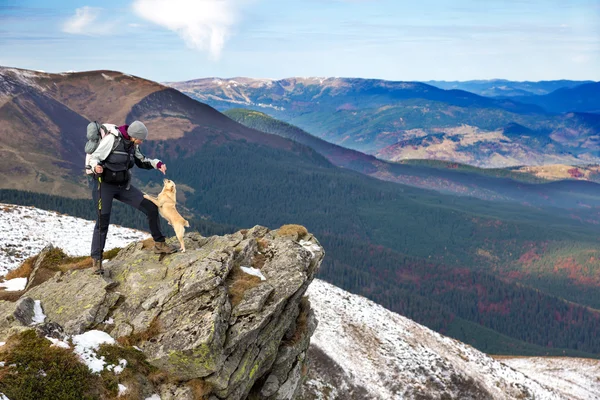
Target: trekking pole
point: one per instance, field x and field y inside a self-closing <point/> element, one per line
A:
<point x="99" y="197"/>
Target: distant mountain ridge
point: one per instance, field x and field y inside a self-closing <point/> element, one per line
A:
<point x="506" y="88"/>
<point x="584" y="98"/>
<point x="499" y="185"/>
<point x="412" y="120"/>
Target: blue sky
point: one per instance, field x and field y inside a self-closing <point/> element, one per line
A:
<point x="174" y="40"/>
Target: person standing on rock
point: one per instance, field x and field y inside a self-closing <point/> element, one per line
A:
<point x="111" y="163"/>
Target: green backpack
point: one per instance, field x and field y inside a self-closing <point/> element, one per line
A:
<point x="95" y="133"/>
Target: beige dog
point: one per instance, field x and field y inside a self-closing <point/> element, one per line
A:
<point x="166" y="207"/>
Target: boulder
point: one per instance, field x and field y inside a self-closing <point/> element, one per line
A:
<point x="178" y="310"/>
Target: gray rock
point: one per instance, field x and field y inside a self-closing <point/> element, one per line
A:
<point x="36" y="266"/>
<point x="7" y="318"/>
<point x="270" y="387"/>
<point x="51" y="329"/>
<point x="254" y="300"/>
<point x="257" y="232"/>
<point x="24" y="311"/>
<point x="174" y="392"/>
<point x="290" y="388"/>
<point x="76" y="300"/>
<point x="178" y="309"/>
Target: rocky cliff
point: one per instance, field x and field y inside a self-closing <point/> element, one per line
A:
<point x="229" y="313"/>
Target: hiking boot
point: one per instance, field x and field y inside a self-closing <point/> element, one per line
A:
<point x="98" y="270"/>
<point x="163" y="248"/>
<point x="97" y="267"/>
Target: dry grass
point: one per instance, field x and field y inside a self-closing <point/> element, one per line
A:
<point x="136" y="338"/>
<point x="23" y="270"/>
<point x="159" y="377"/>
<point x="136" y="372"/>
<point x="148" y="243"/>
<point x="304" y="371"/>
<point x="293" y="230"/>
<point x="76" y="263"/>
<point x="558" y="171"/>
<point x="262" y="244"/>
<point x="301" y="322"/>
<point x="237" y="283"/>
<point x="258" y="261"/>
<point x="200" y="389"/>
<point x="10" y="296"/>
<point x="54" y="261"/>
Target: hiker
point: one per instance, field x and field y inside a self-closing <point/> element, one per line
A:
<point x="117" y="152"/>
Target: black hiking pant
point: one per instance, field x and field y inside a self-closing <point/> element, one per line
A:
<point x="103" y="195"/>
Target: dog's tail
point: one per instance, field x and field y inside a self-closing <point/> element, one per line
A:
<point x="187" y="224"/>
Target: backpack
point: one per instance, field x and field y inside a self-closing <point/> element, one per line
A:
<point x="95" y="133"/>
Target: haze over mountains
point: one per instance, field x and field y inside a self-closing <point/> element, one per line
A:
<point x="480" y="271"/>
<point x="506" y="88"/>
<point x="411" y="120"/>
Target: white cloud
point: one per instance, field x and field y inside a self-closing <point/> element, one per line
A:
<point x="86" y="21"/>
<point x="203" y="24"/>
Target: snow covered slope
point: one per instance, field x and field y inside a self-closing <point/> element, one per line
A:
<point x="576" y="378"/>
<point x="360" y="350"/>
<point x="27" y="230"/>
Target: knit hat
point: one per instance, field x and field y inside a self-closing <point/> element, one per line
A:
<point x="137" y="130"/>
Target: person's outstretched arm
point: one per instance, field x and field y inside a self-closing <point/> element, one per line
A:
<point x="148" y="163"/>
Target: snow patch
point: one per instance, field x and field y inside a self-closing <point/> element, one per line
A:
<point x="122" y="390"/>
<point x="108" y="77"/>
<point x="575" y="378"/>
<point x="153" y="397"/>
<point x="86" y="345"/>
<point x="14" y="285"/>
<point x="28" y="78"/>
<point x="310" y="246"/>
<point x="117" y="369"/>
<point x="27" y="230"/>
<point x="58" y="343"/>
<point x="254" y="271"/>
<point x="38" y="313"/>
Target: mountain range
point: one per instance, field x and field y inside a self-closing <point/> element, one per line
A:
<point x="526" y="185"/>
<point x="411" y="120"/>
<point x="506" y="88"/>
<point x="476" y="270"/>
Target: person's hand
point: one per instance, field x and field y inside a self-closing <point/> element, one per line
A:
<point x="163" y="169"/>
<point x="98" y="169"/>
